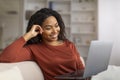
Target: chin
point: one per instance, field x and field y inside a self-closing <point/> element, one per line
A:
<point x="55" y="39"/>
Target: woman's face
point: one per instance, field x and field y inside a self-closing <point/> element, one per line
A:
<point x="51" y="29"/>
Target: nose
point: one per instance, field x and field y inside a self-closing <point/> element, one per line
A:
<point x="54" y="30"/>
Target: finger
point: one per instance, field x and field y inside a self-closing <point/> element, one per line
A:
<point x="41" y="30"/>
<point x="38" y="28"/>
<point x="35" y="28"/>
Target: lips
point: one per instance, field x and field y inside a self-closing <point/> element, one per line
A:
<point x="54" y="36"/>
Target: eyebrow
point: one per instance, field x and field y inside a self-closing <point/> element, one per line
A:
<point x="50" y="25"/>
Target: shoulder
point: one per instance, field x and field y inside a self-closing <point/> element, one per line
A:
<point x="33" y="45"/>
<point x="69" y="43"/>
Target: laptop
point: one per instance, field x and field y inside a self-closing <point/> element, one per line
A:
<point x="97" y="61"/>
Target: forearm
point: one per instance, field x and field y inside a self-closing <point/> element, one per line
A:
<point x="27" y="36"/>
<point x="15" y="52"/>
<point x="15" y="46"/>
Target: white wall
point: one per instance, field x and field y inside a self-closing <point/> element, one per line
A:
<point x="10" y="29"/>
<point x="109" y="26"/>
<point x="12" y="25"/>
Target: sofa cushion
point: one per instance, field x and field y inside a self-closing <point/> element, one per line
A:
<point x="29" y="69"/>
<point x="11" y="74"/>
<point x="112" y="73"/>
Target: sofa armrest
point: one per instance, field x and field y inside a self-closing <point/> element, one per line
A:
<point x="29" y="69"/>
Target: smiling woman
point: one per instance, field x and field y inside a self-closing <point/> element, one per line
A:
<point x="44" y="40"/>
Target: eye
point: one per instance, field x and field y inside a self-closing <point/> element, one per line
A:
<point x="47" y="28"/>
<point x="56" y="25"/>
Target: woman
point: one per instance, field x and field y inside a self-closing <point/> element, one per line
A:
<point x="45" y="43"/>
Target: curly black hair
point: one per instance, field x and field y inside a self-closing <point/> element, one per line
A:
<point x="39" y="17"/>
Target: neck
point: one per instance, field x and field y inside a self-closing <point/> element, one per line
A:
<point x="53" y="43"/>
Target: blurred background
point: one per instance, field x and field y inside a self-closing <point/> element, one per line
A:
<point x="85" y="20"/>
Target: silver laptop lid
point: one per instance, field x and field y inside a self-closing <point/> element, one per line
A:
<point x="98" y="57"/>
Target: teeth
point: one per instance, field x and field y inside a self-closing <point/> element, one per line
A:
<point x="54" y="35"/>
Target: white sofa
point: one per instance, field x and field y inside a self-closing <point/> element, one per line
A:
<point x="112" y="73"/>
<point x="28" y="69"/>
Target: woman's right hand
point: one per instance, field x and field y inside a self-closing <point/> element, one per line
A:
<point x="35" y="30"/>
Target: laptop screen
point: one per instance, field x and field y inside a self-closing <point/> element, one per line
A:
<point x="98" y="57"/>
